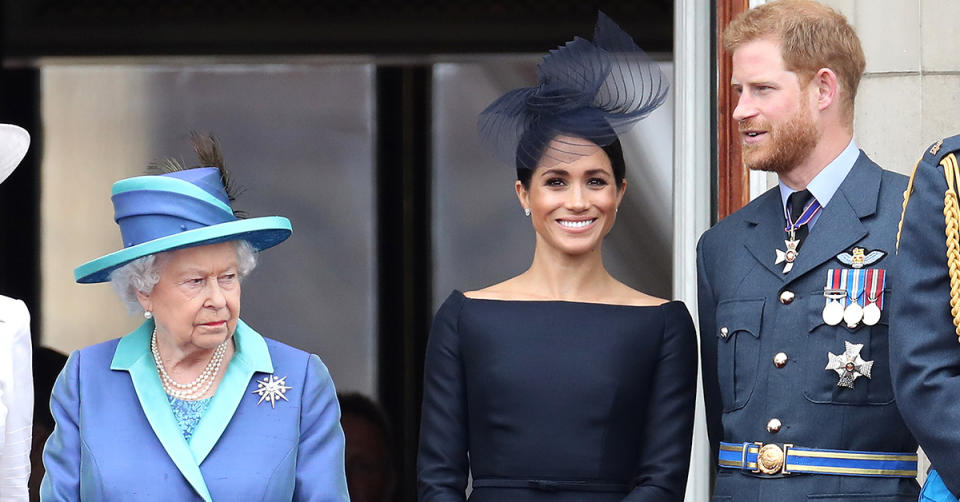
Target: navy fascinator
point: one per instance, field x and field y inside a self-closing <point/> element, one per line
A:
<point x="587" y="94"/>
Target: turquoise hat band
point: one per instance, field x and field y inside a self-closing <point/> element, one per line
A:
<point x="178" y="209"/>
<point x="261" y="233"/>
<point x="169" y="184"/>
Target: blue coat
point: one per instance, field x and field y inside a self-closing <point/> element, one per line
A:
<point x="116" y="437"/>
<point x="745" y="320"/>
<point x="924" y="353"/>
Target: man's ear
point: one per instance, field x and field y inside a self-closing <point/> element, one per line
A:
<point x="827" y="87"/>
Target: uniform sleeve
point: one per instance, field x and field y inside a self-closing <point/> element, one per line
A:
<point x="61" y="455"/>
<point x="442" y="458"/>
<point x="707" y="309"/>
<point x="924" y="353"/>
<point x="668" y="428"/>
<point x="321" y="475"/>
<point x="16" y="401"/>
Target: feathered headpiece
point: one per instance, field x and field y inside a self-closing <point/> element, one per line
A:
<point x="591" y="91"/>
<point x="209" y="153"/>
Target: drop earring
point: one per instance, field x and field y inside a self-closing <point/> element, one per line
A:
<point x="147" y="314"/>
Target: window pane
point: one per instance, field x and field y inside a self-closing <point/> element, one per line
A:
<point x="299" y="138"/>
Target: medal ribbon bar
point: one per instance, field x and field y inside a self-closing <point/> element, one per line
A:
<point x="876" y="282"/>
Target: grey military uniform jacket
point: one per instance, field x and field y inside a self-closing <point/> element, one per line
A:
<point x="750" y="311"/>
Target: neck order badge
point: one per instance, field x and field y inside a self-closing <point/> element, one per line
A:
<point x="810" y="210"/>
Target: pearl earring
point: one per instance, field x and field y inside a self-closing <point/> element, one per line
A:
<point x="526" y="211"/>
<point x="147" y="314"/>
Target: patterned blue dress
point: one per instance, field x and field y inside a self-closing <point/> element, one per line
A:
<point x="188" y="414"/>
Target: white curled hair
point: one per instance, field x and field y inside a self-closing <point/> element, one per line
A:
<point x="143" y="274"/>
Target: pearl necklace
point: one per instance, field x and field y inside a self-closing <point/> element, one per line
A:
<point x="195" y="389"/>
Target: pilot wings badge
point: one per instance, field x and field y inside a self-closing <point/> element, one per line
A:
<point x="859" y="257"/>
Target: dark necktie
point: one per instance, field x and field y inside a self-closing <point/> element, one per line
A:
<point x="796" y="202"/>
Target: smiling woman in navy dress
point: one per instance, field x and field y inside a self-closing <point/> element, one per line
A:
<point x="562" y="383"/>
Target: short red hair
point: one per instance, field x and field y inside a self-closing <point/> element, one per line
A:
<point x="811" y="36"/>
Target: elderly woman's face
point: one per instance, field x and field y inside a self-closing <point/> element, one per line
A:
<point x="197" y="300"/>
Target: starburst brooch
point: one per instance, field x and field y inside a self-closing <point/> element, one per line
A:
<point x="271" y="389"/>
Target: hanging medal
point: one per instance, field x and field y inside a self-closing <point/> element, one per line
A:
<point x="788" y="256"/>
<point x="853" y="313"/>
<point x="834" y="293"/>
<point x="873" y="301"/>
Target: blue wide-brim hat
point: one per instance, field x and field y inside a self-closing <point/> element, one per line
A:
<point x="177" y="210"/>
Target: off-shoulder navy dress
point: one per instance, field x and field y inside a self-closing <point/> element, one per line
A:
<point x="559" y="401"/>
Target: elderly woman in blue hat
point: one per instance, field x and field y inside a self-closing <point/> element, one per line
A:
<point x="194" y="404"/>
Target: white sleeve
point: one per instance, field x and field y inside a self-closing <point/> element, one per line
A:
<point x="16" y="400"/>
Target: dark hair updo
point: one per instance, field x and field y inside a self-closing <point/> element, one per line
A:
<point x="525" y="166"/>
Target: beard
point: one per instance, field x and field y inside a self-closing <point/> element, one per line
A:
<point x="789" y="144"/>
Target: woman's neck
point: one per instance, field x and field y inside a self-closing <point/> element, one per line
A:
<point x="557" y="275"/>
<point x="187" y="362"/>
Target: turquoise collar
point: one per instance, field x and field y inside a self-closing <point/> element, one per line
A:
<point x="133" y="355"/>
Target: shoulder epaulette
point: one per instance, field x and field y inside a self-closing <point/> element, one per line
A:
<point x="943" y="147"/>
<point x="944" y="153"/>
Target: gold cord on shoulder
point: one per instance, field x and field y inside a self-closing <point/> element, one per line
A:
<point x="906" y="199"/>
<point x="951" y="214"/>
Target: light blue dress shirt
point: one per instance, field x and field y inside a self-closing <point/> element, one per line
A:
<point x="827" y="181"/>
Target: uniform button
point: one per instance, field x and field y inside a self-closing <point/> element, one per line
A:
<point x="723" y="332"/>
<point x="773" y="426"/>
<point x="780" y="360"/>
<point x="787" y="297"/>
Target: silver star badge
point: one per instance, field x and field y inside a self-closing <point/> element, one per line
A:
<point x="271" y="389"/>
<point x="849" y="365"/>
<point x="789" y="255"/>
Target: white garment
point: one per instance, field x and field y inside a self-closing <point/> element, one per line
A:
<point x="16" y="400"/>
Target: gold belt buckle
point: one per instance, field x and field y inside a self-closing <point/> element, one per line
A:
<point x="771" y="458"/>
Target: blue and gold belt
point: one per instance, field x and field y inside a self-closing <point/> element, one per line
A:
<point x="774" y="459"/>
